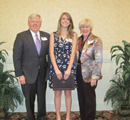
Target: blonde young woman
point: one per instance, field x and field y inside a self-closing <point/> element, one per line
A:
<point x="63" y="44"/>
<point x="88" y="69"/>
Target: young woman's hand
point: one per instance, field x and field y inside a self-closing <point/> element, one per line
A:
<point x="58" y="74"/>
<point x="66" y="74"/>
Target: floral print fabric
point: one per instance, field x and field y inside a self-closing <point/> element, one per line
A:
<point x="91" y="58"/>
<point x="62" y="52"/>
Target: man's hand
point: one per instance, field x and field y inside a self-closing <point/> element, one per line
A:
<point x="22" y="79"/>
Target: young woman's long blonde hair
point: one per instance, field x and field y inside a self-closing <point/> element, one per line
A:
<point x="70" y="27"/>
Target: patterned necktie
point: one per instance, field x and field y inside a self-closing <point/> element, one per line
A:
<point x="38" y="44"/>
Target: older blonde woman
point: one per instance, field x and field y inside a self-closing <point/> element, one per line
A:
<point x="88" y="69"/>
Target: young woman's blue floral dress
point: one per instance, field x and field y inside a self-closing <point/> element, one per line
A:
<point x="62" y="52"/>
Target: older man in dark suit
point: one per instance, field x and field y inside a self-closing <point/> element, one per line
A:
<point x="30" y="55"/>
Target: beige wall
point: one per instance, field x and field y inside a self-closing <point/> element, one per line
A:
<point x="111" y="18"/>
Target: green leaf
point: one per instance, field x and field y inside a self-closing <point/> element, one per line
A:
<point x="10" y="94"/>
<point x="113" y="56"/>
<point x="119" y="90"/>
<point x="4" y="51"/>
<point x="118" y="58"/>
<point x="114" y="50"/>
<point x="124" y="42"/>
<point x="1" y="68"/>
<point x="1" y="43"/>
<point x="118" y="48"/>
<point x="127" y="76"/>
<point x="128" y="48"/>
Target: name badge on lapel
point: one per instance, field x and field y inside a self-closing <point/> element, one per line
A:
<point x="44" y="38"/>
<point x="90" y="42"/>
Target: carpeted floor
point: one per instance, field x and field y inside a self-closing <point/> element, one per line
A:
<point x="100" y="115"/>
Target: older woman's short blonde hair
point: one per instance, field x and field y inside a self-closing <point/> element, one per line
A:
<point x="86" y="22"/>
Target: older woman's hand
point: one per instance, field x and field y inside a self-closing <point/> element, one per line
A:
<point x="93" y="82"/>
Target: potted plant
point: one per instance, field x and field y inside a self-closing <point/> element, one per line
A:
<point x="10" y="94"/>
<point x="119" y="90"/>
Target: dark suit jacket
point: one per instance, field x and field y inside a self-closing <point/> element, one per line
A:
<point x="26" y="59"/>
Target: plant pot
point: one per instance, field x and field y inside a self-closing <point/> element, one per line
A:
<point x="124" y="113"/>
<point x="3" y="114"/>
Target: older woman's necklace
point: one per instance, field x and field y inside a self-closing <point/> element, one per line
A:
<point x="84" y="40"/>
